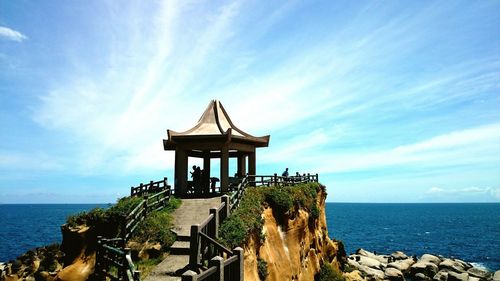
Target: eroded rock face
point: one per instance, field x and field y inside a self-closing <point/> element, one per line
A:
<point x="295" y="250"/>
<point x="79" y="244"/>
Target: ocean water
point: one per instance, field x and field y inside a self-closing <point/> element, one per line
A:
<point x="470" y="232"/>
<point x="27" y="226"/>
<point x="467" y="231"/>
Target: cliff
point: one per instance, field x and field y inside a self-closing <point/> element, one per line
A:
<point x="295" y="246"/>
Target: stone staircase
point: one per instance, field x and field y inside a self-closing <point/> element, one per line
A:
<point x="192" y="211"/>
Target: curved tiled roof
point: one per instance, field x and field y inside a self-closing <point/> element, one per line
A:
<point x="216" y="122"/>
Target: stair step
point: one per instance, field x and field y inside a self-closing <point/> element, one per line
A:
<point x="183" y="238"/>
<point x="180" y="248"/>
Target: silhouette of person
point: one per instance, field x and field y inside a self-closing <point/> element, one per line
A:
<point x="285" y="173"/>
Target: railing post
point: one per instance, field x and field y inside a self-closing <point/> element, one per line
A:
<point x="123" y="227"/>
<point x="98" y="259"/>
<point x="217" y="262"/>
<point x="189" y="276"/>
<point x="227" y="208"/>
<point x="194" y="245"/>
<point x="127" y="252"/>
<point x="240" y="265"/>
<point x="214" y="228"/>
<point x="136" y="275"/>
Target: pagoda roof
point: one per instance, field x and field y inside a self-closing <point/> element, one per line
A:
<point x="214" y="124"/>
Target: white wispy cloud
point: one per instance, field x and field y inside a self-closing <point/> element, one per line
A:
<point x="11" y="34"/>
<point x="464" y="192"/>
<point x="472" y="146"/>
<point x="120" y="114"/>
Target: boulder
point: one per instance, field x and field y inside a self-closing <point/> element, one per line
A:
<point x="472" y="278"/>
<point x="371" y="273"/>
<point x="465" y="265"/>
<point x="479" y="273"/>
<point x="393" y="274"/>
<point x="420" y="277"/>
<point x="381" y="259"/>
<point x="441" y="276"/>
<point x="430" y="258"/>
<point x="402" y="265"/>
<point x="496" y="276"/>
<point x="425" y="267"/>
<point x="398" y="255"/>
<point x="452" y="265"/>
<point x="454" y="276"/>
<point x="370" y="262"/>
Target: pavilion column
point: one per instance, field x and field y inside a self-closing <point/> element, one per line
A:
<point x="252" y="170"/>
<point x="224" y="169"/>
<point x="242" y="165"/>
<point x="206" y="170"/>
<point x="181" y="168"/>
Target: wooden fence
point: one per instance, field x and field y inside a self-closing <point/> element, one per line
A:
<point x="113" y="261"/>
<point x="149" y="188"/>
<point x="149" y="204"/>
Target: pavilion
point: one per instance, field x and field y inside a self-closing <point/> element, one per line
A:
<point x="214" y="136"/>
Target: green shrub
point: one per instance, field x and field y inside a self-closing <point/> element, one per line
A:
<point x="233" y="231"/>
<point x="246" y="219"/>
<point x="156" y="228"/>
<point x="328" y="273"/>
<point x="172" y="204"/>
<point x="279" y="199"/>
<point x="262" y="269"/>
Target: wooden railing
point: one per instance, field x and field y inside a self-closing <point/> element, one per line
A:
<point x="280" y="180"/>
<point x="149" y="188"/>
<point x="225" y="264"/>
<point x="149" y="204"/>
<point x="113" y="261"/>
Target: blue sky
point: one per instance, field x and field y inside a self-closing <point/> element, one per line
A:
<point x="389" y="101"/>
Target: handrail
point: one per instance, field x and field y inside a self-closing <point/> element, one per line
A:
<point x="112" y="252"/>
<point x="108" y="255"/>
<point x="217" y="244"/>
<point x="206" y="221"/>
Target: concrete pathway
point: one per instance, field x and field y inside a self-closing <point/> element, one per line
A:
<point x="192" y="211"/>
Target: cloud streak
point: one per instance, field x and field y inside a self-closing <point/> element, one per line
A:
<point x="11" y="34"/>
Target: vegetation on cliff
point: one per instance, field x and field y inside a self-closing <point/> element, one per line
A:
<point x="247" y="218"/>
<point x="155" y="228"/>
<point x="328" y="273"/>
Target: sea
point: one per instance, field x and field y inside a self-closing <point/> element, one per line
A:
<point x="467" y="231"/>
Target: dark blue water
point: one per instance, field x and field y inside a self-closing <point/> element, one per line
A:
<point x="27" y="226"/>
<point x="470" y="232"/>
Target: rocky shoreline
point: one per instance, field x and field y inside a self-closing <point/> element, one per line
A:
<point x="365" y="265"/>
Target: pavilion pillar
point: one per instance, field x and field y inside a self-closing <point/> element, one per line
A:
<point x="252" y="170"/>
<point x="181" y="168"/>
<point x="242" y="165"/>
<point x="206" y="170"/>
<point x="224" y="169"/>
